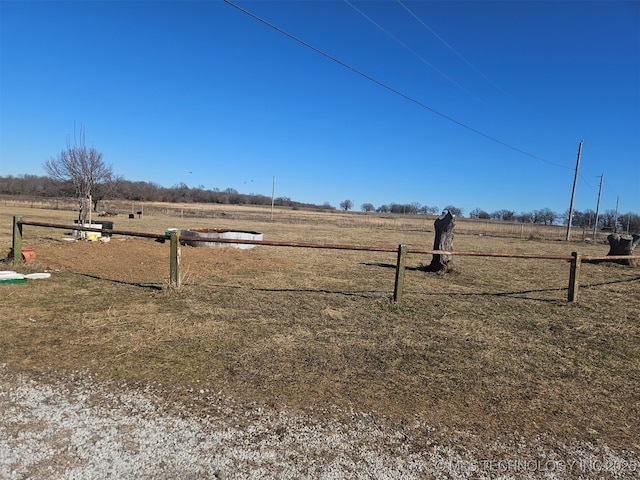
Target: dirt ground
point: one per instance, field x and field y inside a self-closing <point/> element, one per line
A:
<point x="492" y="348"/>
<point x="146" y="261"/>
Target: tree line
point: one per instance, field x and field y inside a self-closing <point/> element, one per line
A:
<point x="607" y="220"/>
<point x="80" y="172"/>
<point x="121" y="189"/>
<point x="136" y="191"/>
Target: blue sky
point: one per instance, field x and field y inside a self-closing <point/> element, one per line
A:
<point x="475" y="104"/>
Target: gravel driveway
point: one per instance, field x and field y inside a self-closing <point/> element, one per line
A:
<point x="86" y="429"/>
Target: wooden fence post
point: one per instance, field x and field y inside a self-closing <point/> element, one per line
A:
<point x="174" y="278"/>
<point x="17" y="239"/>
<point x="400" y="267"/>
<point x="574" y="276"/>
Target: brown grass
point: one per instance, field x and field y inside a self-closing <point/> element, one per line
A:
<point x="493" y="347"/>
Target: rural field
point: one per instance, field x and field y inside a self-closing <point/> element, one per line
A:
<point x="484" y="372"/>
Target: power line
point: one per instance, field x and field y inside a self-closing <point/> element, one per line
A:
<point x="389" y="88"/>
<point x="593" y="188"/>
<point x="458" y="54"/>
<point x="405" y="46"/>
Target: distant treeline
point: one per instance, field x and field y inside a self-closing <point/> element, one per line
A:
<point x="121" y="189"/>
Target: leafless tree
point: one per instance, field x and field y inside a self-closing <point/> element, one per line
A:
<point x="479" y="213"/>
<point x="346" y="205"/>
<point x="544" y="216"/>
<point x="455" y="211"/>
<point x="83" y="167"/>
<point x="367" y="207"/>
<point x="504" y="215"/>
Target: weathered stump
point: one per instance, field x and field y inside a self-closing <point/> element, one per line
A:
<point x="443" y="240"/>
<point x="623" y="245"/>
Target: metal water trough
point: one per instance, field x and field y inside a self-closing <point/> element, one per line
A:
<point x="196" y="237"/>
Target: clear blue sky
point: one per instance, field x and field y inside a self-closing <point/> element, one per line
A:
<point x="202" y="93"/>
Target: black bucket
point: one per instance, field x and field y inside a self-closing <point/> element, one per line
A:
<point x="108" y="225"/>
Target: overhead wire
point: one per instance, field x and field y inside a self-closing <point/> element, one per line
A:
<point x="592" y="187"/>
<point x="389" y="88"/>
<point x="405" y="46"/>
<point x="458" y="54"/>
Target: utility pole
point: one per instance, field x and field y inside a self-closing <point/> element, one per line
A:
<point x="615" y="222"/>
<point x="595" y="226"/>
<point x="573" y="192"/>
<point x="273" y="195"/>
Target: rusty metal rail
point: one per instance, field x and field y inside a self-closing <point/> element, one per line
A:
<point x="330" y="246"/>
<point x="575" y="258"/>
<point x="89" y="229"/>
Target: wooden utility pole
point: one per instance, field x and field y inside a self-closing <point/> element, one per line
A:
<point x="595" y="225"/>
<point x="273" y="195"/>
<point x="573" y="192"/>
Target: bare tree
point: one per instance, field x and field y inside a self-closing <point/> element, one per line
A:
<point x="455" y="211"/>
<point x="346" y="205"/>
<point x="607" y="220"/>
<point x="525" y="217"/>
<point x="504" y="215"/>
<point x="367" y="207"/>
<point x="630" y="222"/>
<point x="545" y="216"/>
<point x="426" y="210"/>
<point x="83" y="167"/>
<point x="479" y="213"/>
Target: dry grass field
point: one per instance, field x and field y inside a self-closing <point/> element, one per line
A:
<point x="491" y="348"/>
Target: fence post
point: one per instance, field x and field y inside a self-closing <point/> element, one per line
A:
<point x="17" y="239"/>
<point x="574" y="275"/>
<point x="397" y="290"/>
<point x="174" y="277"/>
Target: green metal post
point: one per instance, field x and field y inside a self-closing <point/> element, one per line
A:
<point x="400" y="267"/>
<point x="574" y="276"/>
<point x="17" y="239"/>
<point x="174" y="279"/>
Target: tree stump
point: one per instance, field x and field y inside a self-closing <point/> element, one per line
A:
<point x="443" y="240"/>
<point x="623" y="245"/>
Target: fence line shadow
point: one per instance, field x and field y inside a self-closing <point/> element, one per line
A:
<point x="354" y="293"/>
<point x="515" y="294"/>
<point x="152" y="286"/>
<point x="372" y="293"/>
<point x="588" y="285"/>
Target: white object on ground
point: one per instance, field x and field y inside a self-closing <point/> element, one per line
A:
<point x="37" y="276"/>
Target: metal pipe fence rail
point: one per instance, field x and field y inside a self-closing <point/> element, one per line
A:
<point x="575" y="259"/>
